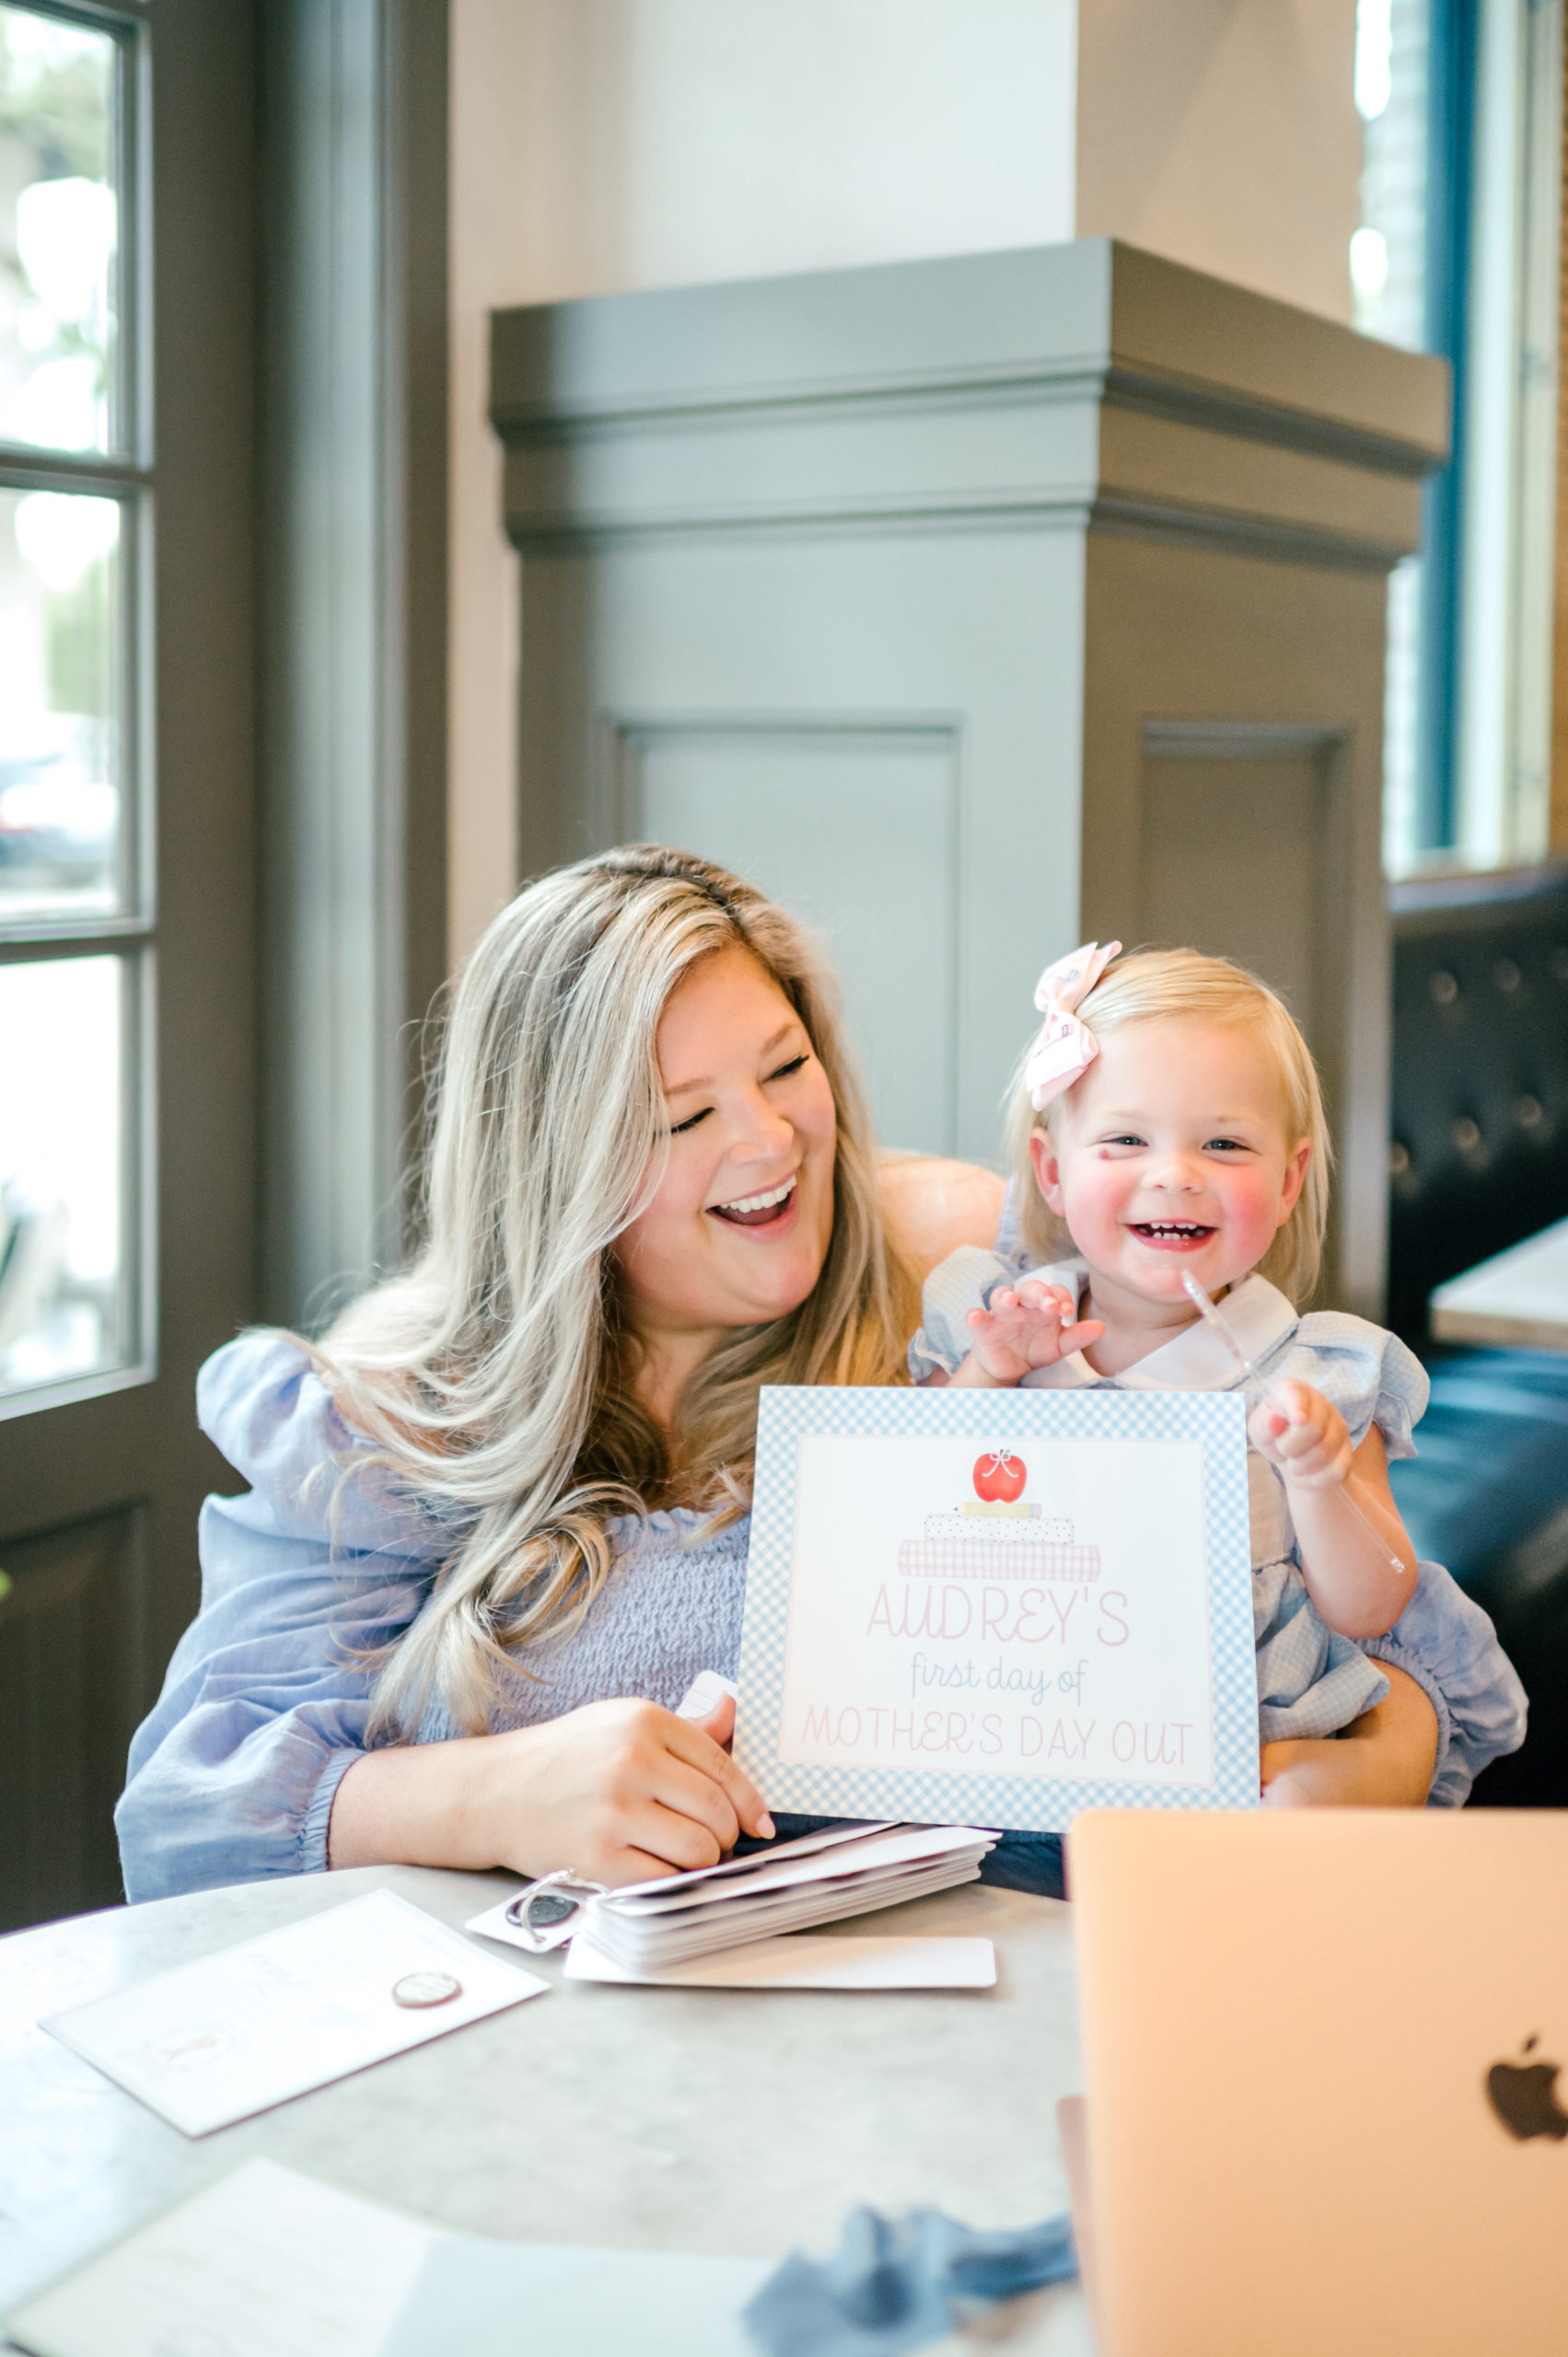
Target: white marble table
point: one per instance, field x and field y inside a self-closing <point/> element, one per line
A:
<point x="1520" y="1297"/>
<point x="699" y="2120"/>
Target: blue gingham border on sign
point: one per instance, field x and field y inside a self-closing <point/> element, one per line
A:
<point x="788" y="1414"/>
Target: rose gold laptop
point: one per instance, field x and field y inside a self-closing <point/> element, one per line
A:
<point x="1323" y="2113"/>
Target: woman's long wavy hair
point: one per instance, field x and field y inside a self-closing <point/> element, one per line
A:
<point x="496" y="1375"/>
<point x="1183" y="983"/>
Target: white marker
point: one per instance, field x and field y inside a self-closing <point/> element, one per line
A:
<point x="704" y="1695"/>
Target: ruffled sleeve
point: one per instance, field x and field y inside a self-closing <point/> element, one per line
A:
<point x="1370" y="1376"/>
<point x="1448" y="1645"/>
<point x="963" y="1282"/>
<point x="1010" y="1229"/>
<point x="1403" y="1390"/>
<point x="267" y="1697"/>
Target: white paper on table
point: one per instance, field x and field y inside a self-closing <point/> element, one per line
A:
<point x="233" y="2034"/>
<point x="798" y="1961"/>
<point x="264" y="2263"/>
<point x="269" y="2263"/>
<point x="490" y="2299"/>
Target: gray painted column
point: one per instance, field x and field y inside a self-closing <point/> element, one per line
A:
<point x="974" y="606"/>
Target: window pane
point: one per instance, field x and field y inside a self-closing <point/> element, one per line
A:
<point x="58" y="233"/>
<point x="62" y="1254"/>
<point x="60" y="575"/>
<point x="1388" y="299"/>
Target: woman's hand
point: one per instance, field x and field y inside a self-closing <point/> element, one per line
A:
<point x="1386" y="1760"/>
<point x="617" y="1792"/>
<point x="1034" y="1326"/>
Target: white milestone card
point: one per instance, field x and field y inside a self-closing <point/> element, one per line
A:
<point x="231" y="2034"/>
<point x="999" y="1607"/>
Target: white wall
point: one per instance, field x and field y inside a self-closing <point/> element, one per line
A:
<point x="599" y="145"/>
<point x="1224" y="134"/>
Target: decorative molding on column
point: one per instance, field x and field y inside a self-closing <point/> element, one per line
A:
<point x="1084" y="385"/>
<point x="1239" y="740"/>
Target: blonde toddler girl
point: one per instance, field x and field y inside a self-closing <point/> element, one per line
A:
<point x="1167" y="1122"/>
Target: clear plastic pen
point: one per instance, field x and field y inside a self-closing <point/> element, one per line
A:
<point x="1216" y="1317"/>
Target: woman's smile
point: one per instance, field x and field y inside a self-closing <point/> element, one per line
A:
<point x="770" y="1211"/>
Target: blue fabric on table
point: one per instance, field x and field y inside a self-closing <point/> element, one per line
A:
<point x="1030" y="1862"/>
<point x="897" y="2283"/>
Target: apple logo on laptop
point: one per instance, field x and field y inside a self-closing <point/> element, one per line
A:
<point x="1524" y="2096"/>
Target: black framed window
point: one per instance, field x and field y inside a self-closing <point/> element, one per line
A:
<point x="76" y="915"/>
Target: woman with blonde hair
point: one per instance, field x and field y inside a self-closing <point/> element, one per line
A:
<point x="497" y="1517"/>
<point x="496" y="1522"/>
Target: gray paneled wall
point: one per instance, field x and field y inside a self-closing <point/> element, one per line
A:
<point x="1268" y="901"/>
<point x="764" y="797"/>
<point x="972" y="606"/>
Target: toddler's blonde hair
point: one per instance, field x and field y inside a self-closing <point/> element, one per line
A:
<point x="1154" y="982"/>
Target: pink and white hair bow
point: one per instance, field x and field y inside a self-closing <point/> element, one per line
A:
<point x="1065" y="1048"/>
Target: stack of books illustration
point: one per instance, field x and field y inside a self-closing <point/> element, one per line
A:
<point x="996" y="1535"/>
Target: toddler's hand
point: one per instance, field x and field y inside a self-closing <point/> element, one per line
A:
<point x="1303" y="1434"/>
<point x="1033" y="1327"/>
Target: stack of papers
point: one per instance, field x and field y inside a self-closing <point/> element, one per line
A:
<point x="822" y="1878"/>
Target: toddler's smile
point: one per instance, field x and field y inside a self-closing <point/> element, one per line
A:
<point x="1170" y="1234"/>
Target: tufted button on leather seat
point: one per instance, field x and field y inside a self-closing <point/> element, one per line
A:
<point x="1478" y="1161"/>
<point x="1480" y="1075"/>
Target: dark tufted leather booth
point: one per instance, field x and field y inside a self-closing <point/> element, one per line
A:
<point x="1480" y="1160"/>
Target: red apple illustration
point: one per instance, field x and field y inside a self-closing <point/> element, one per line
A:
<point x="999" y="1477"/>
<point x="1524" y="2096"/>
